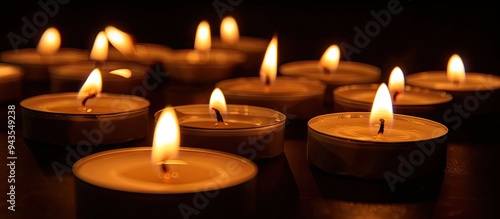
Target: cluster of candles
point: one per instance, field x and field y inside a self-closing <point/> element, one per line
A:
<point x="350" y="115"/>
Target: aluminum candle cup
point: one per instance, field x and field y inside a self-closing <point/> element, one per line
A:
<point x="145" y="53"/>
<point x="70" y="77"/>
<point x="479" y="90"/>
<point x="347" y="73"/>
<point x="203" y="67"/>
<point x="36" y="65"/>
<point x="413" y="101"/>
<point x="253" y="47"/>
<point x="343" y="143"/>
<point x="122" y="182"/>
<point x="252" y="132"/>
<point x="60" y="120"/>
<point x="298" y="98"/>
<point x="10" y="82"/>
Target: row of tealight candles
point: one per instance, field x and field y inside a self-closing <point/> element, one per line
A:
<point x="370" y="126"/>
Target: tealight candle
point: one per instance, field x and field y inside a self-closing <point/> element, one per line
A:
<point x="10" y="82"/>
<point x="332" y="71"/>
<point x="203" y="64"/>
<point x="377" y="144"/>
<point x="407" y="100"/>
<point x="35" y="61"/>
<point x="125" y="49"/>
<point x="74" y="118"/>
<point x="249" y="131"/>
<point x="165" y="178"/>
<point x="465" y="87"/>
<point x="296" y="97"/>
<point x="253" y="47"/>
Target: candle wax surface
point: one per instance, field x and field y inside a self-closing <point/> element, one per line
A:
<point x="411" y="96"/>
<point x="30" y="56"/>
<point x="81" y="70"/>
<point x="130" y="170"/>
<point x="67" y="103"/>
<point x="438" y="80"/>
<point x="231" y="122"/>
<point x="346" y="73"/>
<point x="9" y="72"/>
<point x="355" y="126"/>
<point x="283" y="86"/>
<point x="247" y="44"/>
<point x="218" y="57"/>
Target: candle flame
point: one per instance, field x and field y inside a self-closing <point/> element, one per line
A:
<point x="203" y="41"/>
<point x="126" y="73"/>
<point x="229" y="31"/>
<point x="396" y="83"/>
<point x="50" y="42"/>
<point x="99" y="50"/>
<point x="330" y="59"/>
<point x="381" y="109"/>
<point x="92" y="86"/>
<point x="166" y="140"/>
<point x="122" y="41"/>
<point x="217" y="101"/>
<point x="456" y="69"/>
<point x="269" y="66"/>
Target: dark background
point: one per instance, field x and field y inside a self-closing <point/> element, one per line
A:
<point x="421" y="37"/>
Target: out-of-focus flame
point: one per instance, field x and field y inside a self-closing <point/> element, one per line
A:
<point x="330" y="59"/>
<point x="99" y="50"/>
<point x="166" y="139"/>
<point x="456" y="69"/>
<point x="229" y="31"/>
<point x="396" y="83"/>
<point x="50" y="42"/>
<point x="126" y="73"/>
<point x="381" y="109"/>
<point x="203" y="41"/>
<point x="269" y="66"/>
<point x="122" y="41"/>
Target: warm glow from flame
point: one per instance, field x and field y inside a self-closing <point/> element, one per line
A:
<point x="166" y="140"/>
<point x="203" y="42"/>
<point x="381" y="108"/>
<point x="456" y="69"/>
<point x="218" y="102"/>
<point x="49" y="42"/>
<point x="229" y="31"/>
<point x="92" y="86"/>
<point x="99" y="51"/>
<point x="396" y="82"/>
<point x="330" y="59"/>
<point x="269" y="66"/>
<point x="122" y="41"/>
<point x="126" y="73"/>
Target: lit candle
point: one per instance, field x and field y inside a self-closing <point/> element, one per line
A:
<point x="253" y="47"/>
<point x="119" y="76"/>
<point x="249" y="131"/>
<point x="204" y="64"/>
<point x="334" y="72"/>
<point x="406" y="99"/>
<point x="124" y="48"/>
<point x="85" y="116"/>
<point x="465" y="87"/>
<point x="297" y="97"/>
<point x="35" y="61"/>
<point x="10" y="82"/>
<point x="164" y="176"/>
<point x="377" y="144"/>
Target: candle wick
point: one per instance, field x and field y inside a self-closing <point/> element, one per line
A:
<point x="396" y="95"/>
<point x="164" y="167"/>
<point x="90" y="96"/>
<point x="325" y="70"/>
<point x="219" y="117"/>
<point x="267" y="83"/>
<point x="381" y="129"/>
